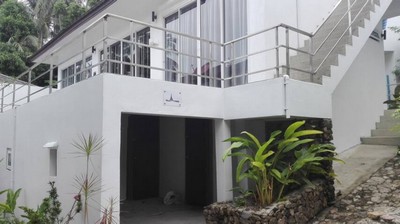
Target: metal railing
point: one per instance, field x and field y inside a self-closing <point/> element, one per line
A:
<point x="212" y="63"/>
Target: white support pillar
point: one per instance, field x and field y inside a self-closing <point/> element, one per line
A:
<point x="223" y="169"/>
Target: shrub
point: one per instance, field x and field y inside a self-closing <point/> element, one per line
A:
<point x="280" y="161"/>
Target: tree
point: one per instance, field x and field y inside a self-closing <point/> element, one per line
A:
<point x="65" y="13"/>
<point x="15" y="21"/>
<point x="17" y="37"/>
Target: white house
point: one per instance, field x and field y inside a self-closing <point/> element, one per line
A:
<point x="165" y="82"/>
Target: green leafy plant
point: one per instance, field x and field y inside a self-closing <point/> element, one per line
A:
<point x="48" y="211"/>
<point x="7" y="209"/>
<point x="278" y="162"/>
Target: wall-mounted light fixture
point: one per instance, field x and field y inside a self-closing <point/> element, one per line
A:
<point x="383" y="34"/>
<point x="93" y="49"/>
<point x="153" y="16"/>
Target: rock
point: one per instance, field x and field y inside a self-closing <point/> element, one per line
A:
<point x="375" y="215"/>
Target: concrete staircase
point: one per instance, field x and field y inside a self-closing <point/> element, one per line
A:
<point x="384" y="134"/>
<point x="348" y="47"/>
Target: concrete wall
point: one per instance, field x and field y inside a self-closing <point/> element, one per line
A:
<point x="61" y="117"/>
<point x="6" y="141"/>
<point x="357" y="101"/>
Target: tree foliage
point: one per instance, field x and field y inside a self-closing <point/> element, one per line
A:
<point x="17" y="37"/>
<point x="26" y="25"/>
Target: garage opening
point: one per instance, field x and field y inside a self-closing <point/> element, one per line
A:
<point x="167" y="168"/>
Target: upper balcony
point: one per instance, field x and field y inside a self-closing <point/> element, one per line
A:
<point x="123" y="46"/>
<point x="205" y="53"/>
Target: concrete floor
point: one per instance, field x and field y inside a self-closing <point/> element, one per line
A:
<point x="361" y="162"/>
<point x="153" y="211"/>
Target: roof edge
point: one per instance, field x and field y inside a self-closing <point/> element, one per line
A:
<point x="79" y="22"/>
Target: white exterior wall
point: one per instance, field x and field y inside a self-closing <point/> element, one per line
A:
<point x="6" y="141"/>
<point x="357" y="101"/>
<point x="46" y="120"/>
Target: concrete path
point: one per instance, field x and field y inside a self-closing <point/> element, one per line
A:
<point x="361" y="162"/>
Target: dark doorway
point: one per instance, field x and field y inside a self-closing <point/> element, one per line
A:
<point x="143" y="145"/>
<point x="199" y="161"/>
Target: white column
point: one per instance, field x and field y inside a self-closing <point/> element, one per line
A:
<point x="223" y="169"/>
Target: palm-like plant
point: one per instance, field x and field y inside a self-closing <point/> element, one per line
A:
<point x="87" y="183"/>
<point x="278" y="162"/>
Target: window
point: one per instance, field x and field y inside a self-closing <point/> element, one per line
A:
<point x="9" y="159"/>
<point x="88" y="66"/>
<point x="185" y="21"/>
<point x="115" y="55"/>
<point x="236" y="27"/>
<point x="67" y="76"/>
<point x="143" y="53"/>
<point x="78" y="69"/>
<point x="53" y="163"/>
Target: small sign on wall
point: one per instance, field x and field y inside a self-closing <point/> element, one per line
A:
<point x="172" y="98"/>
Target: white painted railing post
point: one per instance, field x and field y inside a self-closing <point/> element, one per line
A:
<point x="29" y="85"/>
<point x="83" y="71"/>
<point x="13" y="96"/>
<point x="2" y="100"/>
<point x="287" y="51"/>
<point x="105" y="45"/>
<point x="233" y="66"/>
<point x="310" y="51"/>
<point x="51" y="77"/>
<point x="277" y="50"/>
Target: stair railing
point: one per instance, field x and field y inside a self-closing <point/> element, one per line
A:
<point x="343" y="34"/>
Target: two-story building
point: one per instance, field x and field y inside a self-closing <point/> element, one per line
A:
<point x="165" y="82"/>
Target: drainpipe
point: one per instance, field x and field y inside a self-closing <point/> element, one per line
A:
<point x="285" y="95"/>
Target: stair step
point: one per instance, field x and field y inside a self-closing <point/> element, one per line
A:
<point x="389" y="118"/>
<point x="385" y="132"/>
<point x="387" y="124"/>
<point x="388" y="112"/>
<point x="386" y="140"/>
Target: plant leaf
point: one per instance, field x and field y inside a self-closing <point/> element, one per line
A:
<point x="252" y="137"/>
<point x="292" y="128"/>
<point x="306" y="132"/>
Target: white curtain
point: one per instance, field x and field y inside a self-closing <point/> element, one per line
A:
<point x="188" y="45"/>
<point x="171" y="43"/>
<point x="235" y="27"/>
<point x="210" y="30"/>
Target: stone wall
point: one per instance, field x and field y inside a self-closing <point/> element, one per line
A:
<point x="299" y="207"/>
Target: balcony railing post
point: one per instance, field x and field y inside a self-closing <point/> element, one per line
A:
<point x="310" y="50"/>
<point x="51" y="75"/>
<point x="13" y="95"/>
<point x="210" y="66"/>
<point x="287" y="52"/>
<point x="233" y="66"/>
<point x="132" y="47"/>
<point x="29" y="85"/>
<point x="83" y="63"/>
<point x="277" y="50"/>
<point x="2" y="100"/>
<point x="105" y="45"/>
